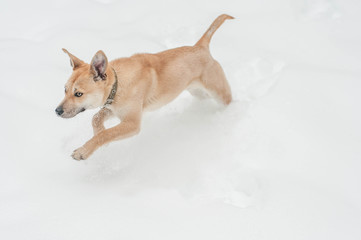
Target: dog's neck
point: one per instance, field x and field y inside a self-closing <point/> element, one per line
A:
<point x="113" y="90"/>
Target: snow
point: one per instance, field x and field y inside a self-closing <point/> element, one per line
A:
<point x="281" y="162"/>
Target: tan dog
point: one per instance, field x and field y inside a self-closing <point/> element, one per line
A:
<point x="126" y="87"/>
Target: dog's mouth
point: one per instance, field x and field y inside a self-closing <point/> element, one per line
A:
<point x="72" y="113"/>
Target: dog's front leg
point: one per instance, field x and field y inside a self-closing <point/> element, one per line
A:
<point x="99" y="119"/>
<point x="123" y="130"/>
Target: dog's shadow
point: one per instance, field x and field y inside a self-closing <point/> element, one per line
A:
<point x="189" y="147"/>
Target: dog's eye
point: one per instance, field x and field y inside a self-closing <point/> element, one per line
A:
<point x="78" y="94"/>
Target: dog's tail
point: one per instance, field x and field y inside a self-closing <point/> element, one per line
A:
<point x="206" y="38"/>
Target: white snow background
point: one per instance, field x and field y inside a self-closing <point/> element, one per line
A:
<point x="281" y="162"/>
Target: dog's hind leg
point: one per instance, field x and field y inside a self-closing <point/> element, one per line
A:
<point x="214" y="81"/>
<point x="99" y="119"/>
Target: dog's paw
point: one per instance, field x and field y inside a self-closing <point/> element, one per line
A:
<point x="80" y="154"/>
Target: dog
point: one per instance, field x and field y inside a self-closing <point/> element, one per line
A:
<point x="126" y="87"/>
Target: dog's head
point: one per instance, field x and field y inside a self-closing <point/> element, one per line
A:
<point x="86" y="86"/>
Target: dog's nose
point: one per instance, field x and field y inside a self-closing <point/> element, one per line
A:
<point x="59" y="110"/>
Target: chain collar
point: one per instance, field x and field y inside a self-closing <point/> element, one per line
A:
<point x="112" y="93"/>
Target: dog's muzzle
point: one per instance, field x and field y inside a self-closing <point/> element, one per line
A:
<point x="60" y="112"/>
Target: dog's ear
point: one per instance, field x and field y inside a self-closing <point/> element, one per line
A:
<point x="99" y="66"/>
<point x="74" y="61"/>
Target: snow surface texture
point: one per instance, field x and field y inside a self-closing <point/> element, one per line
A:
<point x="281" y="162"/>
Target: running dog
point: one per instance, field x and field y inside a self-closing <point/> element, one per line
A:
<point x="126" y="87"/>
